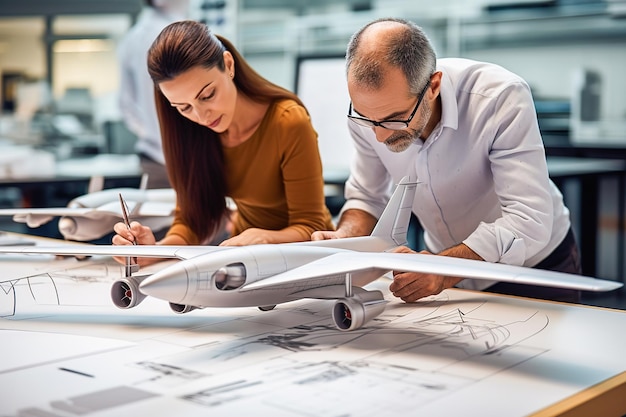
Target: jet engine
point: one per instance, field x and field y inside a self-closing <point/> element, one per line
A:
<point x="181" y="308"/>
<point x="230" y="277"/>
<point x="85" y="229"/>
<point x="351" y="313"/>
<point x="125" y="292"/>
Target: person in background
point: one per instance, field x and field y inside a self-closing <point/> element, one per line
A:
<point x="229" y="132"/>
<point x="468" y="132"/>
<point x="136" y="97"/>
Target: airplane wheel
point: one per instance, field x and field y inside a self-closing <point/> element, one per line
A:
<point x="267" y="308"/>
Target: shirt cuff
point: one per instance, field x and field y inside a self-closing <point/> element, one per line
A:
<point x="497" y="245"/>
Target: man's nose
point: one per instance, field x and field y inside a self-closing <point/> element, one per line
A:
<point x="381" y="133"/>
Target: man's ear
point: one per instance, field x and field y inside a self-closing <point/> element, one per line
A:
<point x="435" y="84"/>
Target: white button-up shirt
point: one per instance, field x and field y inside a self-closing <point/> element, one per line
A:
<point x="482" y="172"/>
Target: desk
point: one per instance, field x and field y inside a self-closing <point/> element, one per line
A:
<point x="38" y="190"/>
<point x="598" y="150"/>
<point x="603" y="399"/>
<point x="458" y="353"/>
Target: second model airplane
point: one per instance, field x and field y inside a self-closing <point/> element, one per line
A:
<point x="268" y="275"/>
<point x="92" y="216"/>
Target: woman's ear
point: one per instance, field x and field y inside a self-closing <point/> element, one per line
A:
<point x="229" y="64"/>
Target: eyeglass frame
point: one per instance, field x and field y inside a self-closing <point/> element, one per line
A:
<point x="362" y="121"/>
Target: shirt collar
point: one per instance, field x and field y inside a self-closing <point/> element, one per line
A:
<point x="449" y="107"/>
<point x="449" y="111"/>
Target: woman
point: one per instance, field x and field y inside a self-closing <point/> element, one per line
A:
<point x="227" y="131"/>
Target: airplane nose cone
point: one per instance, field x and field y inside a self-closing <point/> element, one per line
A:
<point x="169" y="284"/>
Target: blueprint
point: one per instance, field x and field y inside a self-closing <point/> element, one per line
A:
<point x="65" y="350"/>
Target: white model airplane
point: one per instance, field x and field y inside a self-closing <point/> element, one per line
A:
<point x="267" y="275"/>
<point x="92" y="216"/>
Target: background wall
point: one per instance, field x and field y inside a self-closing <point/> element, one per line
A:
<point x="545" y="41"/>
<point x="550" y="70"/>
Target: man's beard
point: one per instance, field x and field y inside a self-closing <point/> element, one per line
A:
<point x="401" y="140"/>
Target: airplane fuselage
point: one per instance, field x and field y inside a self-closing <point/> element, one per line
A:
<point x="218" y="279"/>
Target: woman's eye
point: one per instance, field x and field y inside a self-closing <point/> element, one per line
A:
<point x="208" y="96"/>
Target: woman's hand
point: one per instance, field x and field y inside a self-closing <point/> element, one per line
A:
<point x="139" y="234"/>
<point x="329" y="234"/>
<point x="252" y="236"/>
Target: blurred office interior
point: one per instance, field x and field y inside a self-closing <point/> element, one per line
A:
<point x="59" y="80"/>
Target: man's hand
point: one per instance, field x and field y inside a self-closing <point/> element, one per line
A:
<point x="411" y="286"/>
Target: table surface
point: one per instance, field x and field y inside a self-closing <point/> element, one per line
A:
<point x="458" y="353"/>
<point x="562" y="166"/>
<point x="81" y="169"/>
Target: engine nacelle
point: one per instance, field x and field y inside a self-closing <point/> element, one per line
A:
<point x="181" y="308"/>
<point x="230" y="277"/>
<point x="85" y="228"/>
<point x="353" y="312"/>
<point x="67" y="226"/>
<point x="125" y="292"/>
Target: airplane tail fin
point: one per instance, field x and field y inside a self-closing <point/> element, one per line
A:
<point x="143" y="185"/>
<point x="393" y="224"/>
<point x="96" y="183"/>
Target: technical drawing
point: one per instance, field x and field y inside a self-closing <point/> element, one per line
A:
<point x="456" y="353"/>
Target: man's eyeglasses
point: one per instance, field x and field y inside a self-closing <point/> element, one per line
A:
<point x="388" y="124"/>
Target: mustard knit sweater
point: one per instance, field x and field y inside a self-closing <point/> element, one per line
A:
<point x="275" y="177"/>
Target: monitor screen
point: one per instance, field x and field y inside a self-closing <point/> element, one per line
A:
<point x="321" y="85"/>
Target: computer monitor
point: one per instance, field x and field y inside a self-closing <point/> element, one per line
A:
<point x="321" y="85"/>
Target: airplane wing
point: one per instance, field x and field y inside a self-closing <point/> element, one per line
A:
<point x="61" y="211"/>
<point x="365" y="267"/>
<point x="148" y="251"/>
<point x="35" y="217"/>
<point x="153" y="209"/>
<point x="148" y="208"/>
<point x="137" y="210"/>
<point x="28" y="268"/>
<point x="19" y="265"/>
<point x="98" y="198"/>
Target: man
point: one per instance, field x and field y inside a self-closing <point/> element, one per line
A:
<point x="468" y="132"/>
<point x="136" y="98"/>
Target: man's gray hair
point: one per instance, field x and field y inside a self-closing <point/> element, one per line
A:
<point x="410" y="50"/>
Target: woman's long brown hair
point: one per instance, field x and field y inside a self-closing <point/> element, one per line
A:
<point x="193" y="153"/>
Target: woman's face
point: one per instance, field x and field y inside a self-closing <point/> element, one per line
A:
<point x="204" y="96"/>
